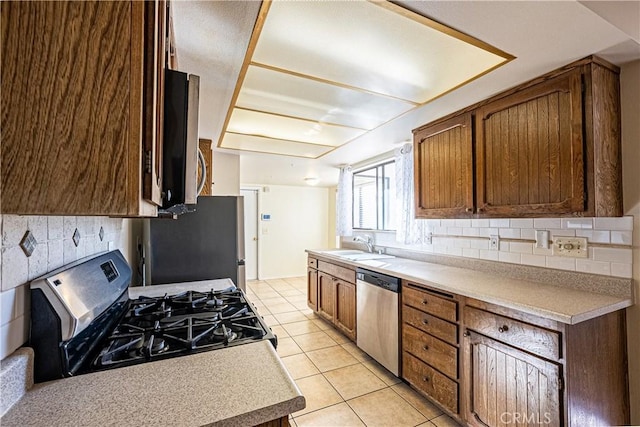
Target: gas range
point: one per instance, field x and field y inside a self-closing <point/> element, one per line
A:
<point x="82" y="320"/>
<point x="175" y="325"/>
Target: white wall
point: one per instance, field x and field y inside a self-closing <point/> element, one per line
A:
<point x="299" y="221"/>
<point x="226" y="174"/>
<point x="54" y="249"/>
<point x="630" y="100"/>
<point x="332" y="241"/>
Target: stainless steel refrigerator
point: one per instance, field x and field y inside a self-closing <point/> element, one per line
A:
<point x="200" y="245"/>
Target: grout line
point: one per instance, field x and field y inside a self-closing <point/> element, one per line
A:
<point x="305" y="353"/>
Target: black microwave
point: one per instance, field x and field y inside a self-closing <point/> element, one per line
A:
<point x="180" y="141"/>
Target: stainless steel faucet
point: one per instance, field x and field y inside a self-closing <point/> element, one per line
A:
<point x="367" y="240"/>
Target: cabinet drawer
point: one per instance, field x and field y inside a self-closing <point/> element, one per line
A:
<point x="337" y="271"/>
<point x="431" y="324"/>
<point x="437" y="353"/>
<point x="312" y="262"/>
<point x="425" y="301"/>
<point x="428" y="380"/>
<point x="522" y="335"/>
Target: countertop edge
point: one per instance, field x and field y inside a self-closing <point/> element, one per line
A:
<point x="617" y="304"/>
<point x="289" y="398"/>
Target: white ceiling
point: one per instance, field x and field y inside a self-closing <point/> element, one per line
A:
<point x="212" y="38"/>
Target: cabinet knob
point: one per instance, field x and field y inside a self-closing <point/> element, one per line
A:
<point x="425" y="348"/>
<point x="425" y="321"/>
<point x="425" y="379"/>
<point x="469" y="209"/>
<point x="480" y="209"/>
<point x="425" y="302"/>
<point x="503" y="328"/>
<point x="466" y="334"/>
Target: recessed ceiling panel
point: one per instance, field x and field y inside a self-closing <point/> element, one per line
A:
<point x="368" y="46"/>
<point x="315" y="100"/>
<point x="327" y="72"/>
<point x="273" y="146"/>
<point x="280" y="127"/>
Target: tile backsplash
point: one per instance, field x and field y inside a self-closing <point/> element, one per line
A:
<point x="54" y="248"/>
<point x="610" y="242"/>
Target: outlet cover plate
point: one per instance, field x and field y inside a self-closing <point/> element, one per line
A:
<point x="494" y="242"/>
<point x="573" y="247"/>
<point x="542" y="239"/>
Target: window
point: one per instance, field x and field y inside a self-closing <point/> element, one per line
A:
<point x="374" y="192"/>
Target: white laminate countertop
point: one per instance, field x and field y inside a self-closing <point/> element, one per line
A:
<point x="236" y="386"/>
<point x="552" y="302"/>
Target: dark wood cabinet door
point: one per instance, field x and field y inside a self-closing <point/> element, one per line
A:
<point x="66" y="116"/>
<point x="507" y="386"/>
<point x="326" y="295"/>
<point x="155" y="36"/>
<point x="443" y="169"/>
<point x="529" y="150"/>
<point x="345" y="308"/>
<point x="312" y="288"/>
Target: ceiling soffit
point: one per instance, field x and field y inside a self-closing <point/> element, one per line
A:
<point x="318" y="75"/>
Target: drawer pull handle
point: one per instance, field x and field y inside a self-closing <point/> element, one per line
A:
<point x="425" y="379"/>
<point x="425" y="348"/>
<point x="503" y="328"/>
<point x="425" y="302"/>
<point x="425" y="322"/>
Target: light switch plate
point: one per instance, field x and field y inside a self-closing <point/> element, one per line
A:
<point x="542" y="239"/>
<point x="574" y="247"/>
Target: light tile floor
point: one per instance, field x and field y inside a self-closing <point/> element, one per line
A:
<point x="343" y="386"/>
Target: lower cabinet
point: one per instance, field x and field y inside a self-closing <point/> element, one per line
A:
<point x="526" y="370"/>
<point x="332" y="294"/>
<point x="430" y="337"/>
<point x="510" y="387"/>
<point x="312" y="288"/>
<point x="326" y="295"/>
<point x="345" y="308"/>
<point x="488" y="365"/>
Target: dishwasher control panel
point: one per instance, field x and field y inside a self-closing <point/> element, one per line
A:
<point x="378" y="279"/>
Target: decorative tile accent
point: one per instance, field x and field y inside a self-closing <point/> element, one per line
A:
<point x="76" y="237"/>
<point x="54" y="247"/>
<point x="28" y="243"/>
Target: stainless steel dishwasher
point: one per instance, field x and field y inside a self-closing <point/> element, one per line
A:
<point x="377" y="317"/>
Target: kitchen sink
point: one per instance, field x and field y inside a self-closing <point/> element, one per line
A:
<point x="364" y="256"/>
<point x="342" y="252"/>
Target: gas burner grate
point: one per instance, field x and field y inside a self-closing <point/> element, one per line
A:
<point x="168" y="326"/>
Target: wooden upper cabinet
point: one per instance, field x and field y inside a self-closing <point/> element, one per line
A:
<point x="529" y="149"/>
<point x="549" y="147"/>
<point x="81" y="88"/>
<point x="443" y="165"/>
<point x="204" y="145"/>
<point x="155" y="59"/>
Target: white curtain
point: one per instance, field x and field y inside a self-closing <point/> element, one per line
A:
<point x="408" y="229"/>
<point x="344" y="204"/>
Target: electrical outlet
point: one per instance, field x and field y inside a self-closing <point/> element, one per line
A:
<point x="575" y="247"/>
<point x="429" y="238"/>
<point x="494" y="242"/>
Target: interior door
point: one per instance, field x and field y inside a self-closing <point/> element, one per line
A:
<point x="250" y="232"/>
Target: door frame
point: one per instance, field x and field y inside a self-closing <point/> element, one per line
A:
<point x="258" y="190"/>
